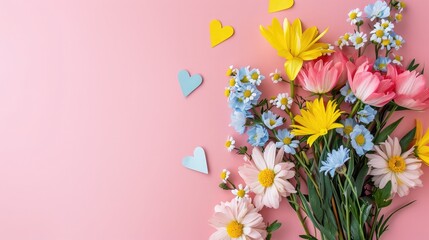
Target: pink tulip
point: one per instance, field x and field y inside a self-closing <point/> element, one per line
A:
<point x="371" y="88"/>
<point x="411" y="89"/>
<point x="320" y="77"/>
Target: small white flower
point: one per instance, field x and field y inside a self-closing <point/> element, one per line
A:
<point x="283" y="101"/>
<point x="330" y="47"/>
<point x="358" y="39"/>
<point x="276" y="76"/>
<point x="343" y="41"/>
<point x="386" y="24"/>
<point x="224" y="175"/>
<point x="378" y="33"/>
<point x="231" y="71"/>
<point x="230" y="144"/>
<point x="397" y="59"/>
<point x="249" y="94"/>
<point x="354" y="16"/>
<point x="398" y="17"/>
<point x="397" y="42"/>
<point x="241" y="193"/>
<point x="386" y="42"/>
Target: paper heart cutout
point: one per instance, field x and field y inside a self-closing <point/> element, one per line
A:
<point x="198" y="162"/>
<point x="218" y="33"/>
<point x="279" y="5"/>
<point x="189" y="83"/>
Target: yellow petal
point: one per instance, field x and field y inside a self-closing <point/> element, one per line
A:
<point x="419" y="130"/>
<point x="292" y="68"/>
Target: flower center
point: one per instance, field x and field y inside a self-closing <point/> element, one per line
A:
<point x="232" y="82"/>
<point x="359" y="40"/>
<point x="398" y="17"/>
<point x="247" y="93"/>
<point x="353" y="15"/>
<point x="283" y="101"/>
<point x="276" y="77"/>
<point x="266" y="177"/>
<point x="223" y="175"/>
<point x="360" y="140"/>
<point x="255" y="76"/>
<point x="227" y="92"/>
<point x="398" y="42"/>
<point x="244" y="79"/>
<point x="228" y="144"/>
<point x="346" y="36"/>
<point x="385" y="42"/>
<point x="385" y="24"/>
<point x="272" y="122"/>
<point x="348" y="129"/>
<point x="381" y="66"/>
<point x="287" y="140"/>
<point x="234" y="229"/>
<point x="379" y="33"/>
<point x="397" y="164"/>
<point x="241" y="193"/>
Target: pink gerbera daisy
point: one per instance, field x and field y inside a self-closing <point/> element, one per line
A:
<point x="237" y="220"/>
<point x="388" y="164"/>
<point x="268" y="176"/>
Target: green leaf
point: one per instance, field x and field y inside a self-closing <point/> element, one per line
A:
<point x="382" y="136"/>
<point x="360" y="179"/>
<point x="314" y="201"/>
<point x="406" y="140"/>
<point x="274" y="226"/>
<point x="307" y="237"/>
<point x="242" y="150"/>
<point x="382" y="196"/>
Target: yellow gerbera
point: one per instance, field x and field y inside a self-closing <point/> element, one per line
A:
<point x="294" y="45"/>
<point x="316" y="120"/>
<point x="421" y="145"/>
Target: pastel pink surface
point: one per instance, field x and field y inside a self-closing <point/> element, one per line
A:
<point x="94" y="125"/>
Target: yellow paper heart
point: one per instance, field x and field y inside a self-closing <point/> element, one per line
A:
<point x="218" y="33"/>
<point x="279" y="5"/>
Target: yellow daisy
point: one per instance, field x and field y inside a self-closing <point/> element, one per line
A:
<point x="294" y="45"/>
<point x="422" y="143"/>
<point x="316" y="120"/>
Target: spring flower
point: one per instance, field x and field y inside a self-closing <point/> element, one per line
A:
<point x="236" y="99"/>
<point x="354" y="16"/>
<point x="238" y="121"/>
<point x="249" y="94"/>
<point x="349" y="124"/>
<point x="335" y="160"/>
<point x="230" y="144"/>
<point x="400" y="6"/>
<point x="377" y="10"/>
<point x="231" y="71"/>
<point x="389" y="164"/>
<point x="293" y="44"/>
<point x="361" y="140"/>
<point x="316" y="120"/>
<point x="397" y="59"/>
<point x="378" y="33"/>
<point x="320" y="77"/>
<point x="241" y="193"/>
<point x="385" y="24"/>
<point x="358" y="39"/>
<point x="398" y="17"/>
<point x="366" y="115"/>
<point x="283" y="101"/>
<point x="255" y="77"/>
<point x="370" y="88"/>
<point x="224" y="175"/>
<point x="381" y="64"/>
<point x="286" y="141"/>
<point x="268" y="177"/>
<point x="397" y="42"/>
<point x="386" y="42"/>
<point x="276" y="77"/>
<point x="237" y="220"/>
<point x="346" y="91"/>
<point x="271" y="120"/>
<point x="422" y="143"/>
<point x="258" y="135"/>
<point x="411" y="89"/>
<point x="343" y="40"/>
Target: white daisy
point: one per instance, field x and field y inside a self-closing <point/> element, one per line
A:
<point x="358" y="39"/>
<point x="241" y="193"/>
<point x="398" y="17"/>
<point x="354" y="16"/>
<point x="230" y="144"/>
<point x="283" y="101"/>
<point x="378" y="33"/>
<point x="386" y="24"/>
<point x="386" y="42"/>
<point x="397" y="59"/>
<point x="276" y="76"/>
<point x="231" y="71"/>
<point x="224" y="175"/>
<point x="397" y="42"/>
<point x="389" y="164"/>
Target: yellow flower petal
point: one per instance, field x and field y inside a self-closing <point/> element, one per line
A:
<point x="292" y="68"/>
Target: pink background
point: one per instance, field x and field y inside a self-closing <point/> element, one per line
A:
<point x="94" y="125"/>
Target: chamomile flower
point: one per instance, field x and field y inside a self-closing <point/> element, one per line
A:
<point x="230" y="144"/>
<point x="361" y="140"/>
<point x="227" y="92"/>
<point x="331" y="48"/>
<point x="335" y="160"/>
<point x="241" y="193"/>
<point x="400" y="6"/>
<point x="271" y="120"/>
<point x="386" y="42"/>
<point x="378" y="33"/>
<point x="381" y="64"/>
<point x="367" y="114"/>
<point x="231" y="71"/>
<point x="354" y="16"/>
<point x="346" y="91"/>
<point x="358" y="39"/>
<point x="224" y="175"/>
<point x="286" y="141"/>
<point x="386" y="24"/>
<point x="249" y="94"/>
<point x="397" y="59"/>
<point x="397" y="42"/>
<point x="283" y="101"/>
<point x="398" y="17"/>
<point x="276" y="76"/>
<point x="255" y="77"/>
<point x="349" y="124"/>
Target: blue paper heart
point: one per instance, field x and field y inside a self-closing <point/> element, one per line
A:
<point x="198" y="162"/>
<point x="189" y="83"/>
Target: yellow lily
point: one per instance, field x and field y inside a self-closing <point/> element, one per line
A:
<point x="294" y="45"/>
<point x="421" y="143"/>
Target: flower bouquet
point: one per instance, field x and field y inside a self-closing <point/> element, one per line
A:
<point x="326" y="146"/>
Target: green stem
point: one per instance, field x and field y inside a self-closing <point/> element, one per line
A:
<point x="374" y="222"/>
<point x="292" y="89"/>
<point x="300" y="217"/>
